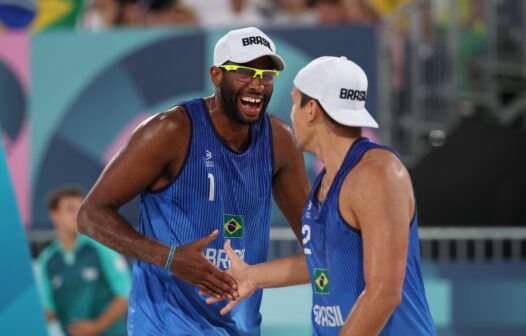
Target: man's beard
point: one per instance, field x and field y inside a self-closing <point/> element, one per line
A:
<point x="229" y="100"/>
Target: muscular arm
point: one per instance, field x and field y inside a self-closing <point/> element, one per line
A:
<point x="288" y="271"/>
<point x="139" y="165"/>
<point x="150" y="159"/>
<point x="290" y="189"/>
<point x="381" y="205"/>
<point x="290" y="185"/>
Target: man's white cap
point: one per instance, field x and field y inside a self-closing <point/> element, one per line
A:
<point x="340" y="86"/>
<point x="245" y="45"/>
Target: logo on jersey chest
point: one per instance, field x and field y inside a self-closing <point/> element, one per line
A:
<point x="321" y="280"/>
<point x="309" y="208"/>
<point x="209" y="162"/>
<point x="233" y="226"/>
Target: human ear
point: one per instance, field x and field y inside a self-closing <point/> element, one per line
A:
<point x="216" y="75"/>
<point x="313" y="110"/>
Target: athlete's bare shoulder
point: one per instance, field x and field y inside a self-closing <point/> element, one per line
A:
<point x="380" y="180"/>
<point x="172" y="122"/>
<point x="379" y="170"/>
<point x="162" y="140"/>
<point x="166" y="131"/>
<point x="380" y="164"/>
<point x="284" y="142"/>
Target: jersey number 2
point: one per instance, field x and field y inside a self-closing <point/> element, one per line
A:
<point x="305" y="231"/>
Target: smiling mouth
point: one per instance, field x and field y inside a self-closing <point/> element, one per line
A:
<point x="250" y="106"/>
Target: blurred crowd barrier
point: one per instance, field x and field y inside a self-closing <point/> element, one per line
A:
<point x="445" y="60"/>
<point x="452" y="100"/>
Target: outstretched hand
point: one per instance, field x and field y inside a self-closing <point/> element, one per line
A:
<point x="190" y="265"/>
<point x="240" y="272"/>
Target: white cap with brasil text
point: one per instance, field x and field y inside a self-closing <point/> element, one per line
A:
<point x="245" y="45"/>
<point x="340" y="86"/>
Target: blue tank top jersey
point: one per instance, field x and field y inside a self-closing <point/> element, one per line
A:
<point x="216" y="188"/>
<point x="334" y="253"/>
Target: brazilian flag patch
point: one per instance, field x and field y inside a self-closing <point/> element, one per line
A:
<point x="321" y="280"/>
<point x="233" y="226"/>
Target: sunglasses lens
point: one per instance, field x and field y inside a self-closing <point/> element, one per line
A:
<point x="244" y="75"/>
<point x="267" y="78"/>
<point x="247" y="75"/>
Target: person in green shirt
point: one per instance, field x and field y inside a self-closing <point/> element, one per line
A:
<point x="85" y="285"/>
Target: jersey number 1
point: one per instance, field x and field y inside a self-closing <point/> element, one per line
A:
<point x="212" y="190"/>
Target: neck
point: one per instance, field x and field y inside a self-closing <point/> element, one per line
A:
<point x="67" y="240"/>
<point x="235" y="135"/>
<point x="331" y="149"/>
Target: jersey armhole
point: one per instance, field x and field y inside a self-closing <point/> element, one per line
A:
<point x="271" y="134"/>
<point x="352" y="228"/>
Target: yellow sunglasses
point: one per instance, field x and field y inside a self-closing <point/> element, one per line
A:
<point x="247" y="74"/>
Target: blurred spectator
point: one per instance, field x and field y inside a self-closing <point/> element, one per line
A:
<point x="472" y="38"/>
<point x="16" y="14"/>
<point x="330" y="12"/>
<point x="387" y="7"/>
<point x="169" y="13"/>
<point x="473" y="44"/>
<point x="230" y="13"/>
<point x="131" y="13"/>
<point x="102" y="14"/>
<point x="359" y="11"/>
<point x="295" y="12"/>
<point x="85" y="285"/>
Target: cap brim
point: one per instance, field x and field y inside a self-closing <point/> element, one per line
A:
<point x="252" y="55"/>
<point x="347" y="117"/>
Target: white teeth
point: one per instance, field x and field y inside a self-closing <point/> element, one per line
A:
<point x="251" y="100"/>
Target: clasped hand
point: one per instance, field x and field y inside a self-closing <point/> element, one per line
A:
<point x="240" y="272"/>
<point x="190" y="265"/>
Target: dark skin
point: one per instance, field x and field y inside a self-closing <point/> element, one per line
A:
<point x="150" y="160"/>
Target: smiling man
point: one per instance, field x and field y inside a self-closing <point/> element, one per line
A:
<point x="205" y="170"/>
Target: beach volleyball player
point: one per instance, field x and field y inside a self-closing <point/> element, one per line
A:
<point x="206" y="170"/>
